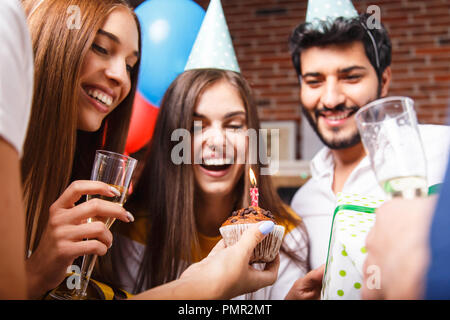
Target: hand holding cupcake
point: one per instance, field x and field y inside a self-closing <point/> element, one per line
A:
<point x="240" y="220"/>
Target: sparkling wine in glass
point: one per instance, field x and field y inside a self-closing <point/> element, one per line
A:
<point x="116" y="170"/>
<point x="391" y="138"/>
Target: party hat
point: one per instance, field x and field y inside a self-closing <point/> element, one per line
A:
<point x="328" y="10"/>
<point x="213" y="47"/>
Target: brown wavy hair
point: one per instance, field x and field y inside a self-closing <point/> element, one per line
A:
<point x="165" y="193"/>
<point x="55" y="152"/>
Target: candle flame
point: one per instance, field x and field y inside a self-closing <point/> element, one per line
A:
<point x="252" y="177"/>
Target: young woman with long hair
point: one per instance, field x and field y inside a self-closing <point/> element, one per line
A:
<point x="86" y="65"/>
<point x="179" y="207"/>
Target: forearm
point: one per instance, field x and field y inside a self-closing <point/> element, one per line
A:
<point x="12" y="227"/>
<point x="223" y="274"/>
<point x="12" y="265"/>
<point x="181" y="289"/>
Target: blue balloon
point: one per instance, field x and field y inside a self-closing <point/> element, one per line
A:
<point x="169" y="29"/>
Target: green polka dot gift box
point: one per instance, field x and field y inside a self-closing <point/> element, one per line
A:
<point x="353" y="218"/>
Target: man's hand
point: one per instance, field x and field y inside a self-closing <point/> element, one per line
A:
<point x="397" y="246"/>
<point x="308" y="287"/>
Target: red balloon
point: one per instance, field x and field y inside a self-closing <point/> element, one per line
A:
<point x="143" y="119"/>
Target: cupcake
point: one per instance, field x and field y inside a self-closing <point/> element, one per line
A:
<point x="232" y="229"/>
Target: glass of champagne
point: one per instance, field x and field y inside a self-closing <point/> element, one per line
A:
<point x="391" y="138"/>
<point x="116" y="170"/>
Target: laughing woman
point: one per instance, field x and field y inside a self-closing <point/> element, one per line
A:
<point x="85" y="80"/>
<point x="180" y="207"/>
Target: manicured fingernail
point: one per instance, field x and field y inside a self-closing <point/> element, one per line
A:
<point x="130" y="217"/>
<point x="115" y="191"/>
<point x="266" y="227"/>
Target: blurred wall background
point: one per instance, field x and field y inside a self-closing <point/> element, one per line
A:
<point x="420" y="34"/>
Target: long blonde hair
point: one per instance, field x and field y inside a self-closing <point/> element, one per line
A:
<point x="52" y="141"/>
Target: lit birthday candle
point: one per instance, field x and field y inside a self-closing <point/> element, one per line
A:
<point x="253" y="190"/>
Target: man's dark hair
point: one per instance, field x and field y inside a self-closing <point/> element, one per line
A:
<point x="342" y="31"/>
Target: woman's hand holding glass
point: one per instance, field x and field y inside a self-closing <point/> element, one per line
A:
<point x="62" y="240"/>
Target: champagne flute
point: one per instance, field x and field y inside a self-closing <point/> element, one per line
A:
<point x="116" y="170"/>
<point x="390" y="135"/>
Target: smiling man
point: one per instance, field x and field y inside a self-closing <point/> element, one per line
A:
<point x="342" y="65"/>
<point x="332" y="92"/>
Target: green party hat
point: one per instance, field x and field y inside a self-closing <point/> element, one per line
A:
<point x="328" y="10"/>
<point x="213" y="47"/>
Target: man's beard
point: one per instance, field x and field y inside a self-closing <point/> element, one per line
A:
<point x="332" y="143"/>
<point x="351" y="141"/>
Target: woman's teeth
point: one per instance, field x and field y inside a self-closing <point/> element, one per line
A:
<point x="217" y="162"/>
<point x="100" y="96"/>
